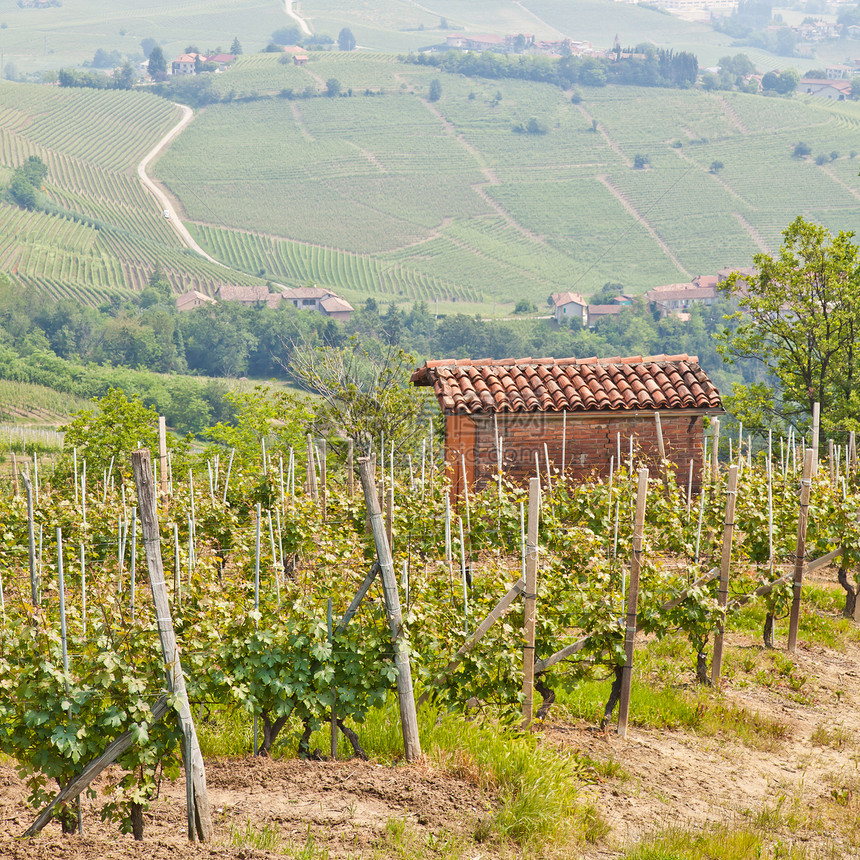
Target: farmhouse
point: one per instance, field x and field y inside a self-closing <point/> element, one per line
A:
<point x="193" y="299"/>
<point x="675" y="298"/>
<point x="825" y="89"/>
<point x="321" y="300"/>
<point x="569" y="306"/>
<point x="574" y="411"/>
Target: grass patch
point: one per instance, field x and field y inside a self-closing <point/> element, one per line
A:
<point x="836" y="737"/>
<point x="264" y="837"/>
<point x="697" y="710"/>
<point x="719" y="843"/>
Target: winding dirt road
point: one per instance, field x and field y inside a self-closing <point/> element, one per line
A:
<point x="288" y="8"/>
<point x="164" y="201"/>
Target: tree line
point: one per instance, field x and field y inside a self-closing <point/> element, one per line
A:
<point x="145" y="346"/>
<point x="643" y="65"/>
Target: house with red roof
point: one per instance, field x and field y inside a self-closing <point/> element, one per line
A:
<point x="575" y="413"/>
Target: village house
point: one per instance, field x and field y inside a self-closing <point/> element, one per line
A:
<point x="825" y="89"/>
<point x="599" y="312"/>
<point x="248" y="296"/>
<point x="321" y="300"/>
<point x="577" y="413"/>
<point x="186" y="64"/>
<point x="475" y="42"/>
<point x="193" y="299"/>
<point x="569" y="306"/>
<point x="677" y="298"/>
<point x="317" y="299"/>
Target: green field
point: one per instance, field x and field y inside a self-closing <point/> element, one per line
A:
<point x="384" y="193"/>
<point x="393" y="195"/>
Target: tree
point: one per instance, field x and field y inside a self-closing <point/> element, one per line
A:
<point x="799" y="316"/>
<point x="287" y="36"/>
<point x="435" y="92"/>
<point x="365" y="395"/>
<point x="716" y="166"/>
<point x="27" y="182"/>
<point x="640" y="162"/>
<point x="801" y="150"/>
<point x="332" y="87"/>
<point x="147" y="45"/>
<point x="236" y="47"/>
<point x="157" y="65"/>
<point x="345" y="40"/>
<point x="125" y="77"/>
<point x="855" y="87"/>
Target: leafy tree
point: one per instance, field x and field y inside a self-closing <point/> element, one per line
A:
<point x="125" y="77"/>
<point x="146" y="46"/>
<point x="157" y="65"/>
<point x="236" y="47"/>
<point x="287" y="36"/>
<point x="435" y="92"/>
<point x="332" y="87"/>
<point x="801" y="150"/>
<point x="27" y="182"/>
<point x="345" y="40"/>
<point x="799" y="317"/>
<point x="716" y="166"/>
<point x="855" y="87"/>
<point x="365" y="395"/>
<point x="524" y="306"/>
<point x="103" y="59"/>
<point x="111" y="430"/>
<point x="821" y="158"/>
<point x="640" y="161"/>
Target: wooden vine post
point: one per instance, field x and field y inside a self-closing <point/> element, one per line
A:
<point x="725" y="567"/>
<point x="800" y="549"/>
<point x="715" y="451"/>
<point x="632" y="601"/>
<point x="350" y="467"/>
<point x="200" y="819"/>
<point x="816" y="432"/>
<point x="162" y="455"/>
<point x="530" y="602"/>
<point x="405" y="694"/>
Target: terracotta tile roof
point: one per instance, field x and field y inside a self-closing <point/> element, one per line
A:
<point x="559" y="299"/>
<point x="569" y="384"/>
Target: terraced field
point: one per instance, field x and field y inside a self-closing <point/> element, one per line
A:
<point x="394" y="196"/>
<point x="107" y="234"/>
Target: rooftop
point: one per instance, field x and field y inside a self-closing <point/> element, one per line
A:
<point x="569" y="384"/>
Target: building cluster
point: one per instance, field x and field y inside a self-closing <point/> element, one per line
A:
<point x="188" y="64"/>
<point x="668" y="300"/>
<point x="317" y="299"/>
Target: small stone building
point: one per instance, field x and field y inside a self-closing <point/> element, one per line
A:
<point x="530" y="403"/>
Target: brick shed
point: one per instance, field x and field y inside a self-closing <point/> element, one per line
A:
<point x="529" y="402"/>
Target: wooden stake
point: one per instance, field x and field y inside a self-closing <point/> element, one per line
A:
<point x="715" y="451"/>
<point x="632" y="602"/>
<point x="31" y="540"/>
<point x="800" y="549"/>
<point x="831" y="461"/>
<point x="170" y="651"/>
<point x="661" y="448"/>
<point x="530" y="602"/>
<point x="852" y="449"/>
<point x="405" y="695"/>
<point x="816" y="430"/>
<point x="333" y="745"/>
<point x="725" y="566"/>
<point x="162" y="454"/>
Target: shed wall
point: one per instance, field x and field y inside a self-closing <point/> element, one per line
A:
<point x="591" y="442"/>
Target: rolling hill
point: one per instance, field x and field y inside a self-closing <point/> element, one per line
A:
<point x="382" y="192"/>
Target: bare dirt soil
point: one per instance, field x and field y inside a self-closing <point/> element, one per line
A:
<point x="345" y="806"/>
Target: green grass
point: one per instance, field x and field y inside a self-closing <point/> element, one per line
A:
<point x="720" y="843"/>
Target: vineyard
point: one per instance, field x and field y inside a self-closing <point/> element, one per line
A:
<point x="102" y="234"/>
<point x="265" y="542"/>
<point x="448" y="192"/>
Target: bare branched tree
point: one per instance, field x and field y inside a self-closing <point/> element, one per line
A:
<point x="365" y="396"/>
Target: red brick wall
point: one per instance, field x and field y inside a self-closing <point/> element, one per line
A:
<point x="591" y="441"/>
